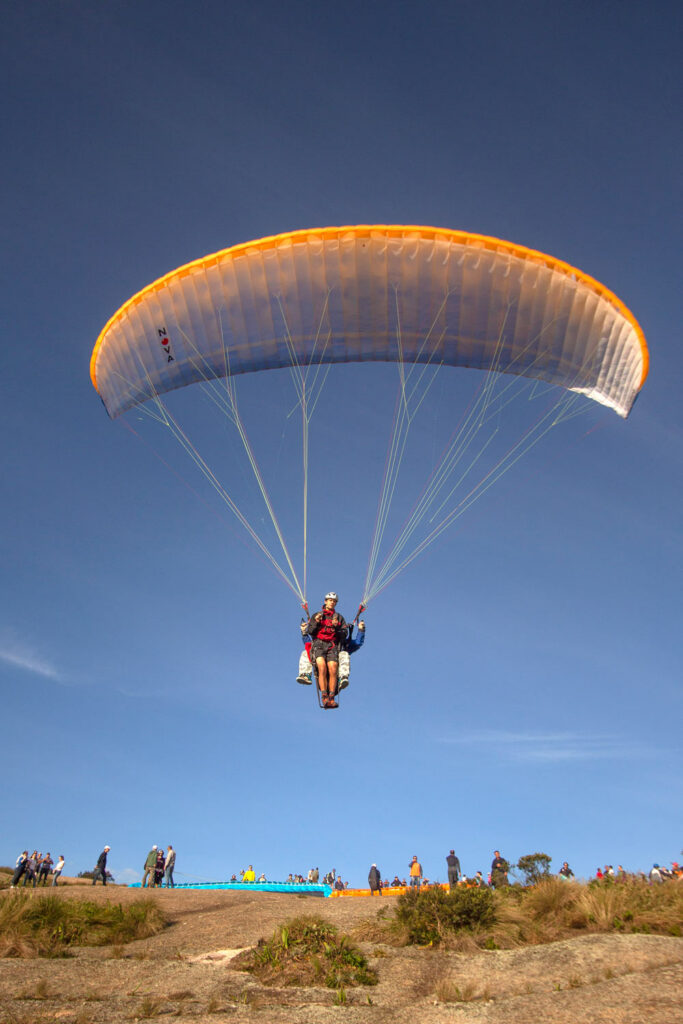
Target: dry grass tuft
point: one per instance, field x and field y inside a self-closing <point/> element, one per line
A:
<point x="448" y="990"/>
<point x="380" y="929"/>
<point x="150" y="1006"/>
<point x="48" y="926"/>
<point x="39" y="992"/>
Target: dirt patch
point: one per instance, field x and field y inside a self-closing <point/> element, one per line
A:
<point x="185" y="972"/>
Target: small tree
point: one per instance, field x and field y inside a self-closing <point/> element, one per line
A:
<point x="535" y="867"/>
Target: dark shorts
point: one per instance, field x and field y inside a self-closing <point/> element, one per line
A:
<point x="324" y="649"/>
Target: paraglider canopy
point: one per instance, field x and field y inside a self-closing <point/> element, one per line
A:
<point x="421" y="298"/>
<point x="372" y="293"/>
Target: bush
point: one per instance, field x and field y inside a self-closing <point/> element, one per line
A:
<point x="550" y="910"/>
<point x="48" y="925"/>
<point x="430" y="916"/>
<point x="632" y="906"/>
<point x="307" y="951"/>
<point x="535" y="867"/>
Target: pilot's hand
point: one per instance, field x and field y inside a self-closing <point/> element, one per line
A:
<point x="361" y="626"/>
<point x="335" y="620"/>
<point x="318" y="616"/>
<point x="304" y="628"/>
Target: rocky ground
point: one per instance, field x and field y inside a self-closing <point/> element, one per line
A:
<point x="185" y="973"/>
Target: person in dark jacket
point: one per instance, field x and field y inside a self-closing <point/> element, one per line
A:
<point x="159" y="868"/>
<point x="375" y="880"/>
<point x="499" y="870"/>
<point x="44" y="869"/>
<point x="19" y="869"/>
<point x="101" y="867"/>
<point x="453" y="869"/>
<point x="30" y="869"/>
<point x="328" y="630"/>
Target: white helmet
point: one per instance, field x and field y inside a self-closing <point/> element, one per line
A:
<point x="331" y="596"/>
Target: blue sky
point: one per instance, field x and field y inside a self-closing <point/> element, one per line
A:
<point x="520" y="687"/>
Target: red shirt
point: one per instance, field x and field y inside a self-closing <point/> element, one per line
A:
<point x="327" y="631"/>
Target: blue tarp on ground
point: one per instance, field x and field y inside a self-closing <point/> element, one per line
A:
<point x="306" y="889"/>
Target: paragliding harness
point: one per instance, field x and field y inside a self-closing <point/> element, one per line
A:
<point x="308" y="645"/>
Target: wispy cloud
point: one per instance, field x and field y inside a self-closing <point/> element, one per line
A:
<point x="552" y="746"/>
<point x="12" y="652"/>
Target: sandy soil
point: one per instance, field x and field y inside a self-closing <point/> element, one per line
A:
<point x="185" y="973"/>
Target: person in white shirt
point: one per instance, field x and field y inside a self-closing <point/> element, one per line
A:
<point x="169" y="864"/>
<point x="59" y="866"/>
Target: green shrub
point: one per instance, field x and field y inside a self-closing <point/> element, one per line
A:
<point x="307" y="951"/>
<point x="535" y="867"/>
<point x="429" y="916"/>
<point x="546" y="912"/>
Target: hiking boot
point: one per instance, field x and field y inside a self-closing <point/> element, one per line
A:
<point x="343" y="682"/>
<point x="306" y="680"/>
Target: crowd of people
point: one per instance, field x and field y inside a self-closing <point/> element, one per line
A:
<point x="416" y="877"/>
<point x="657" y="873"/>
<point x="498" y="876"/>
<point x="312" y="878"/>
<point x="39" y="869"/>
<point x="35" y="869"/>
<point x="158" y="868"/>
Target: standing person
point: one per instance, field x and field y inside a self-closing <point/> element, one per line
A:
<point x="375" y="880"/>
<point x="315" y="876"/>
<point x="415" y="872"/>
<point x="159" y="868"/>
<point x="19" y="868"/>
<point x="328" y="630"/>
<point x="59" y="867"/>
<point x="453" y="870"/>
<point x="169" y="864"/>
<point x="101" y="867"/>
<point x="150" y="867"/>
<point x="30" y="870"/>
<point x="499" y="870"/>
<point x="566" y="872"/>
<point x="45" y="869"/>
